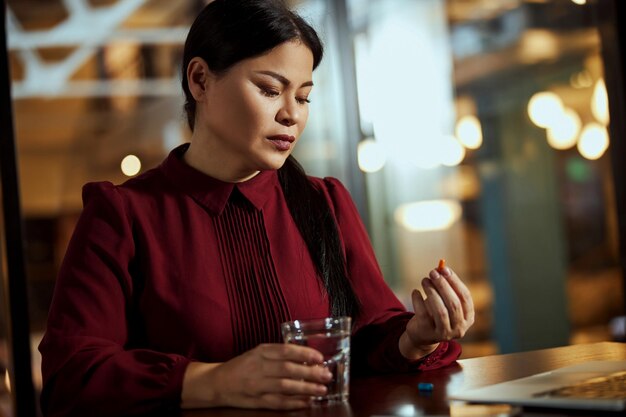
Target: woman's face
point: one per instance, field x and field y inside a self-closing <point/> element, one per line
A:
<point x="254" y="114"/>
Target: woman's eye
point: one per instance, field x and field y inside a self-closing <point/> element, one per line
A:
<point x="302" y="100"/>
<point x="267" y="92"/>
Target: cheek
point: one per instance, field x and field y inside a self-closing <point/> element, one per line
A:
<point x="304" y="119"/>
<point x="258" y="112"/>
<point x="233" y="101"/>
<point x="238" y="111"/>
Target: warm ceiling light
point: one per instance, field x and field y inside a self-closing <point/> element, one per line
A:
<point x="545" y="108"/>
<point x="581" y="2"/>
<point x="564" y="132"/>
<point x="131" y="165"/>
<point x="430" y="215"/>
<point x="581" y="79"/>
<point x="469" y="132"/>
<point x="371" y="156"/>
<point x="538" y="45"/>
<point x="600" y="103"/>
<point x="594" y="141"/>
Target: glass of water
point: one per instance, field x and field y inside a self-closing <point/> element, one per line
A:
<point x="331" y="337"/>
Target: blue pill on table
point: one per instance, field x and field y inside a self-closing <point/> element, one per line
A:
<point x="425" y="387"/>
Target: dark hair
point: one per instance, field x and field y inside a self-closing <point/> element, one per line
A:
<point x="229" y="31"/>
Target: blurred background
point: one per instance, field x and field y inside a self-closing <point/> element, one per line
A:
<point x="470" y="130"/>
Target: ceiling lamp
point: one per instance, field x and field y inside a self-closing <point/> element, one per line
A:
<point x="594" y="141"/>
<point x="564" y="132"/>
<point x="545" y="108"/>
<point x="469" y="132"/>
<point x="131" y="165"/>
<point x="371" y="155"/>
<point x="423" y="216"/>
<point x="600" y="103"/>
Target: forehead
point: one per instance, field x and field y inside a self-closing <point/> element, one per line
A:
<point x="293" y="60"/>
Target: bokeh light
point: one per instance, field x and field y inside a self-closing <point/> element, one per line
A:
<point x="564" y="132"/>
<point x="371" y="155"/>
<point x="131" y="165"/>
<point x="600" y="103"/>
<point x="594" y="141"/>
<point x="469" y="132"/>
<point x="428" y="215"/>
<point x="545" y="108"/>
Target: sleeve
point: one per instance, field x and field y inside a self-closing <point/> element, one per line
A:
<point x="383" y="318"/>
<point x="87" y="366"/>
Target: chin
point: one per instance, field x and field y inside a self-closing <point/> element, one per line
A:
<point x="273" y="164"/>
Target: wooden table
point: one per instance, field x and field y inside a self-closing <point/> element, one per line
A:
<point x="397" y="395"/>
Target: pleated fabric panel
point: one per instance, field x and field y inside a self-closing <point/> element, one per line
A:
<point x="257" y="304"/>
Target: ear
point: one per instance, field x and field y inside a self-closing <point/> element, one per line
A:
<point x="198" y="78"/>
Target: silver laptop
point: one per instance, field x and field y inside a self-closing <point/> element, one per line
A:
<point x="598" y="385"/>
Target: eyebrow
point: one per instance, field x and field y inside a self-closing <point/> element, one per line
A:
<point x="282" y="79"/>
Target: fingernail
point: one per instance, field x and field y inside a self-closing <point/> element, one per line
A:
<point x="434" y="274"/>
<point x="445" y="272"/>
<point x="322" y="389"/>
<point x="328" y="375"/>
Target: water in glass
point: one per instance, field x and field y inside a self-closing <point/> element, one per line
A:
<point x="335" y="346"/>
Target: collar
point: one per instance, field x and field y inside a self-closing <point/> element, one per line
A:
<point x="211" y="192"/>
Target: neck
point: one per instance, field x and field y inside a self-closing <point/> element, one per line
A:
<point x="202" y="156"/>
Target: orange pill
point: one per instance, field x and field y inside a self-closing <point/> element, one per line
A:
<point x="442" y="264"/>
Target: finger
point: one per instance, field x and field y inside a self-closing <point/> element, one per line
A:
<point x="293" y="370"/>
<point x="290" y="352"/>
<point x="287" y="386"/>
<point x="437" y="308"/>
<point x="449" y="297"/>
<point x="419" y="305"/>
<point x="462" y="291"/>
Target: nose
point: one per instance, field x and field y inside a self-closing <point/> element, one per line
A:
<point x="288" y="114"/>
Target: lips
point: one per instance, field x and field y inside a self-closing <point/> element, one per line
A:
<point x="284" y="138"/>
<point x="282" y="142"/>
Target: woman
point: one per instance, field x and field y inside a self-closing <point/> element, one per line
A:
<point x="175" y="283"/>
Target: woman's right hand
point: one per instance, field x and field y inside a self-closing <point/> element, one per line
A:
<point x="274" y="376"/>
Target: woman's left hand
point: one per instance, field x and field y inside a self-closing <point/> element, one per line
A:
<point x="445" y="314"/>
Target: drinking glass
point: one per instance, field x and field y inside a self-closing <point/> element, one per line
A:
<point x="331" y="337"/>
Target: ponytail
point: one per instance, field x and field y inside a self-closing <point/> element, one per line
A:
<point x="317" y="226"/>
